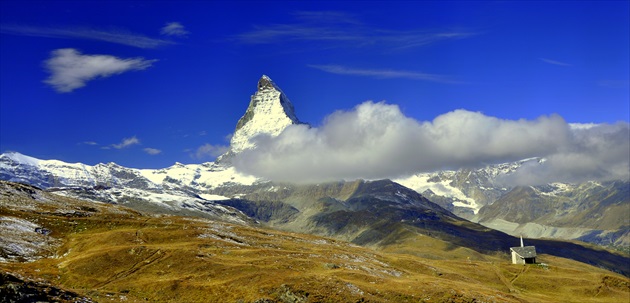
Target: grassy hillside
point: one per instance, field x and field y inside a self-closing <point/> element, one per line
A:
<point x="373" y="213"/>
<point x="107" y="253"/>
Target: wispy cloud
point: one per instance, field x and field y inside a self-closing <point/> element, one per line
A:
<point x="326" y="17"/>
<point x="126" y="142"/>
<point x="70" y="69"/>
<point x="383" y="73"/>
<point x="118" y="36"/>
<point x="339" y="29"/>
<point x="614" y="83"/>
<point x="209" y="151"/>
<point x="554" y="62"/>
<point x="152" y="151"/>
<point x="89" y="143"/>
<point x="174" y="29"/>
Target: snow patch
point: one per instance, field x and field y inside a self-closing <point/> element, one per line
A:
<point x="213" y="197"/>
<point x="23" y="240"/>
<point x="420" y="183"/>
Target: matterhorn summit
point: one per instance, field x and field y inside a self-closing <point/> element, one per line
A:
<point x="269" y="113"/>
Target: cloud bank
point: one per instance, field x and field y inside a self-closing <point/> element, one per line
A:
<point x="376" y="140"/>
<point x="70" y="69"/>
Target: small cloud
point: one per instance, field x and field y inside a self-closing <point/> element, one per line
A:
<point x="203" y="133"/>
<point x="152" y="151"/>
<point x="88" y="143"/>
<point x="126" y="143"/>
<point x="383" y="73"/>
<point x="70" y="69"/>
<point x="554" y="62"/>
<point x="174" y="29"/>
<point x="113" y="36"/>
<point x="210" y="151"/>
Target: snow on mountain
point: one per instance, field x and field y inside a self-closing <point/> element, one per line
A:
<point x="54" y="173"/>
<point x="269" y="112"/>
<point x="466" y="190"/>
<point x="176" y="189"/>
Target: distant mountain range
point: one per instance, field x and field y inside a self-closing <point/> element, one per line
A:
<point x="377" y="213"/>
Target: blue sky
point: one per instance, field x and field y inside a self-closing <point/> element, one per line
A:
<point x="147" y="84"/>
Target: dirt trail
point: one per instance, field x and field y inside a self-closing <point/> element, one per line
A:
<point x="505" y="281"/>
<point x="157" y="255"/>
<point x="518" y="274"/>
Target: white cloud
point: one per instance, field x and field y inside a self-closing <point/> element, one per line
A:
<point x="126" y="142"/>
<point x="382" y="73"/>
<point x="209" y="151"/>
<point x="600" y="152"/>
<point x="152" y="151"/>
<point x="113" y="36"/>
<point x="375" y="140"/>
<point x="70" y="69"/>
<point x="174" y="29"/>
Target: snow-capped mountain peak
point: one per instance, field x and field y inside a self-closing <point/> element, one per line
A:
<point x="20" y="158"/>
<point x="269" y="112"/>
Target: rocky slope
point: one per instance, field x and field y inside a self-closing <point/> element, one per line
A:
<point x="593" y="211"/>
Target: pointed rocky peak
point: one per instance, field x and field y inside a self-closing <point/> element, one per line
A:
<point x="269" y="112"/>
<point x="266" y="83"/>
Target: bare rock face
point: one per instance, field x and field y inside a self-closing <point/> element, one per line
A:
<point x="16" y="289"/>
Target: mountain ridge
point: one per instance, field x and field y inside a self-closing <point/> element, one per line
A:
<point x="364" y="212"/>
